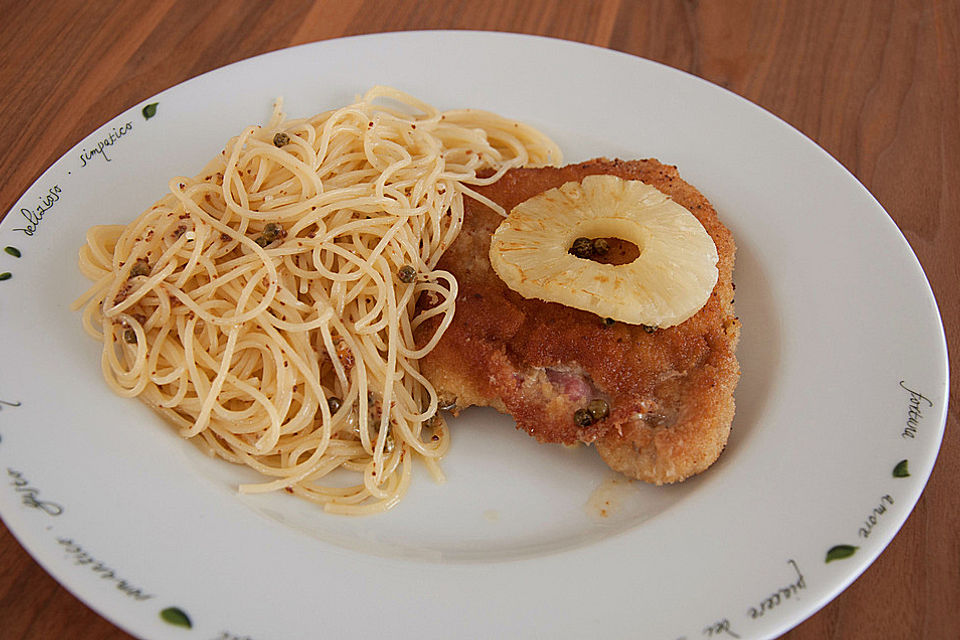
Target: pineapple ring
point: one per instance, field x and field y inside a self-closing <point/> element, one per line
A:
<point x="667" y="283"/>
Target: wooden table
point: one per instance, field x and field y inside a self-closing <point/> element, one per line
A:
<point x="877" y="84"/>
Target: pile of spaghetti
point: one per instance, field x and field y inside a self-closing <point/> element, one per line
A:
<point x="267" y="306"/>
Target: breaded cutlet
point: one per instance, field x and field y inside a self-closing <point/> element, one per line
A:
<point x="669" y="391"/>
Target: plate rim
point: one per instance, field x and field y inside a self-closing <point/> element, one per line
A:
<point x="61" y="575"/>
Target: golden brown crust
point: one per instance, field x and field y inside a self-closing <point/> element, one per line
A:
<point x="670" y="391"/>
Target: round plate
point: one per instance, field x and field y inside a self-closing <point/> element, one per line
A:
<point x="840" y="410"/>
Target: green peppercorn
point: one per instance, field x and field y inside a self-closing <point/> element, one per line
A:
<point x="334" y="403"/>
<point x="609" y="322"/>
<point x="582" y="418"/>
<point x="140" y="268"/>
<point x="598" y="409"/>
<point x="600" y="246"/>
<point x="281" y="139"/>
<point x="272" y="229"/>
<point x="648" y="328"/>
<point x="582" y="247"/>
<point x="407" y="273"/>
<point x="130" y="336"/>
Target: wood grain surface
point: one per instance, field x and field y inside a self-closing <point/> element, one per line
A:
<point x="877" y="84"/>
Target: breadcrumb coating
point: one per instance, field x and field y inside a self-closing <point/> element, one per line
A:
<point x="669" y="391"/>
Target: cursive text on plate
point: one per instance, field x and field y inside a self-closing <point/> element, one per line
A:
<point x="82" y="558"/>
<point x="33" y="216"/>
<point x="29" y="495"/>
<point x="871" y="520"/>
<point x="103" y="145"/>
<point x="723" y="626"/>
<point x="914" y="413"/>
<point x="779" y="596"/>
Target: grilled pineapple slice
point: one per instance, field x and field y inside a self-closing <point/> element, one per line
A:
<point x="668" y="282"/>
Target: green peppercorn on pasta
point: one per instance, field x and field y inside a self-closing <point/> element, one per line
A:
<point x="258" y="306"/>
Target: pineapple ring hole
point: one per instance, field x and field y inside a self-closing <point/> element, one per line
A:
<point x="621" y="252"/>
<point x="624" y="237"/>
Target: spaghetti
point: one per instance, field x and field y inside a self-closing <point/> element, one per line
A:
<point x="267" y="307"/>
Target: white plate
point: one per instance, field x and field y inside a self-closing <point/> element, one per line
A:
<point x="844" y="376"/>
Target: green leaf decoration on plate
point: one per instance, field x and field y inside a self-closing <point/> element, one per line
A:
<point x="150" y="110"/>
<point x="176" y="617"/>
<point x="901" y="471"/>
<point x="840" y="551"/>
<point x="13" y="251"/>
<point x="6" y="275"/>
